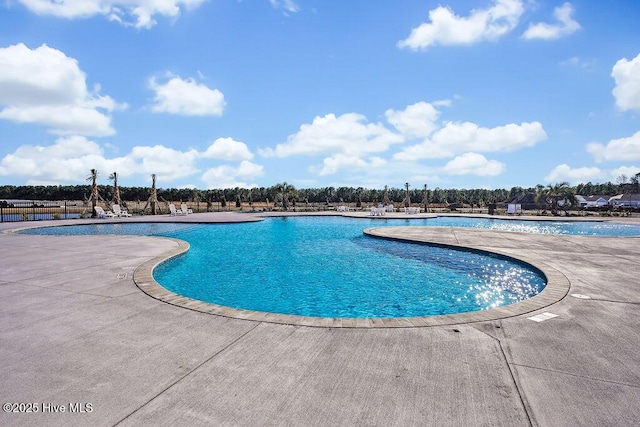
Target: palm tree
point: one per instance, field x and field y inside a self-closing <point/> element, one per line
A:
<point x="407" y="200"/>
<point x="385" y="197"/>
<point x="557" y="195"/>
<point x="93" y="176"/>
<point x="116" y="191"/>
<point x="279" y="194"/>
<point x="283" y="195"/>
<point x="153" y="197"/>
<point x="287" y="192"/>
<point x="425" y="199"/>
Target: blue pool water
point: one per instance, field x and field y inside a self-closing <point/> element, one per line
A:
<point x="579" y="228"/>
<point x="326" y="267"/>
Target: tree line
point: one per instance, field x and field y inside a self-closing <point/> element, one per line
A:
<point x="323" y="195"/>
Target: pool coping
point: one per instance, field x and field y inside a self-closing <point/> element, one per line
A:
<point x="556" y="289"/>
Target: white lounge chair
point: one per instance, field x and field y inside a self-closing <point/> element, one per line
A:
<point x="342" y="209"/>
<point x="119" y="212"/>
<point x="412" y="210"/>
<point x="173" y="211"/>
<point x="102" y="214"/>
<point x="377" y="211"/>
<point x="185" y="209"/>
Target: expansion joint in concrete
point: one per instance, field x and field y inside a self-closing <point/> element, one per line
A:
<point x="578" y="376"/>
<point x="523" y="401"/>
<point x="615" y="301"/>
<point x="214" y="355"/>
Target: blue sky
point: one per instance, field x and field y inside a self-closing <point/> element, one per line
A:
<point x="226" y="93"/>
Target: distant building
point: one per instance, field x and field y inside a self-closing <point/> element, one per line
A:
<point x="592" y="201"/>
<point x="526" y="201"/>
<point x="627" y="200"/>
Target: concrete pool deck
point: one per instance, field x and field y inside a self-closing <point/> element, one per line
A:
<point x="75" y="329"/>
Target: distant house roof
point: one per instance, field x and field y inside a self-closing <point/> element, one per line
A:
<point x="633" y="197"/>
<point x="525" y="199"/>
<point x="595" y="198"/>
<point x="592" y="201"/>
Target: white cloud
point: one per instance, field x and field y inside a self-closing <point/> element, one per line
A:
<point x="142" y="11"/>
<point x="455" y="138"/>
<point x="578" y="62"/>
<point x="287" y="5"/>
<point x="226" y="176"/>
<point x="393" y="173"/>
<point x="45" y="86"/>
<point x="627" y="76"/>
<point x="348" y="134"/>
<point x="65" y="120"/>
<point x="566" y="25"/>
<point x="443" y="102"/>
<point x="563" y="173"/>
<point x="333" y="164"/>
<point x="228" y="149"/>
<point x="32" y="161"/>
<point x="417" y="120"/>
<point x="622" y="149"/>
<point x="249" y="169"/>
<point x="350" y="145"/>
<point x="446" y="28"/>
<point x="474" y="164"/>
<point x="186" y="97"/>
<point x="168" y="164"/>
<point x="628" y="171"/>
<point x="69" y="160"/>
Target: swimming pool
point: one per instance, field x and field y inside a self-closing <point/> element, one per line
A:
<point x="326" y="267"/>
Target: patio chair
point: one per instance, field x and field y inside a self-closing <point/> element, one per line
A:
<point x="173" y="211"/>
<point x="119" y="212"/>
<point x="377" y="211"/>
<point x="102" y="214"/>
<point x="185" y="209"/>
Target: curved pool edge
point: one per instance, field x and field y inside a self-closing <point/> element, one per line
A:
<point x="556" y="289"/>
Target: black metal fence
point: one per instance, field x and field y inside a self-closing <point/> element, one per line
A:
<point x="38" y="210"/>
<point x="34" y="210"/>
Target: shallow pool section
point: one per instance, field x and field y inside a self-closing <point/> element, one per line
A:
<point x="575" y="228"/>
<point x="326" y="267"/>
<point x="118" y="228"/>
